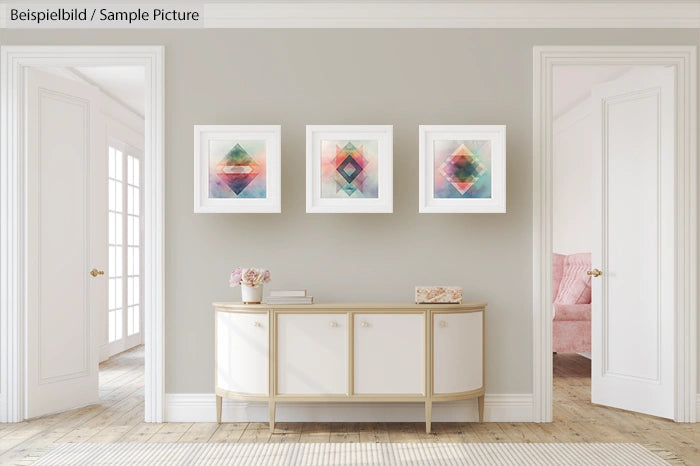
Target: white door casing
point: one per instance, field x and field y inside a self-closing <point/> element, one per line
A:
<point x="14" y="62"/>
<point x="67" y="226"/>
<point x="386" y="349"/>
<point x="311" y="354"/>
<point x="632" y="316"/>
<point x="457" y="352"/>
<point x="242" y="352"/>
<point x="683" y="61"/>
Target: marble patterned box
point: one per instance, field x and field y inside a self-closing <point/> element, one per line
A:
<point x="439" y="294"/>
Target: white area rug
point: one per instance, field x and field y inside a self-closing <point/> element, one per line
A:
<point x="255" y="454"/>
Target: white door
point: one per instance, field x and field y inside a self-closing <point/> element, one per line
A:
<point x="312" y="353"/>
<point x="389" y="354"/>
<point x="633" y="243"/>
<point x="66" y="229"/>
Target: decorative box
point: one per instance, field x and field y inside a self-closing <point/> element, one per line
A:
<point x="438" y="294"/>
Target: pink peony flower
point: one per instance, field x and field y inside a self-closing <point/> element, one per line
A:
<point x="235" y="279"/>
<point x="249" y="276"/>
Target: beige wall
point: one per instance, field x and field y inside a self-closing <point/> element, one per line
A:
<point x="399" y="77"/>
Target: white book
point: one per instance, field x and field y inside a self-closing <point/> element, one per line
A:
<point x="289" y="300"/>
<point x="287" y="293"/>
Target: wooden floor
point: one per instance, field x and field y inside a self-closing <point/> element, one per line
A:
<point x="119" y="418"/>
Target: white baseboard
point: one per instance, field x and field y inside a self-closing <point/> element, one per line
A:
<point x="697" y="408"/>
<point x="201" y="407"/>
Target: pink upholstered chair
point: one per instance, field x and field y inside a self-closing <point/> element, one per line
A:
<point x="571" y="295"/>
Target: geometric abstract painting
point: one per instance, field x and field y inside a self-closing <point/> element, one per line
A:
<point x="349" y="169"/>
<point x="237" y="168"/>
<point x="462" y="169"/>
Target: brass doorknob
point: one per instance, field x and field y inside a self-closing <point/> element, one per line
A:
<point x="595" y="273"/>
<point x="95" y="272"/>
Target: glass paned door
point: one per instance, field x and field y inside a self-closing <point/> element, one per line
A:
<point x="124" y="301"/>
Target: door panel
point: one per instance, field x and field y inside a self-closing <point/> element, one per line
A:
<point x="242" y="352"/>
<point x="633" y="194"/>
<point x="457" y="352"/>
<point x="312" y="353"/>
<point x="62" y="224"/>
<point x="389" y="353"/>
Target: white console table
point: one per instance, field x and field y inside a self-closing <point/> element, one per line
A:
<point x="349" y="352"/>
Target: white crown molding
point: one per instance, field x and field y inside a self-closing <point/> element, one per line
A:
<point x="461" y="14"/>
<point x="201" y="407"/>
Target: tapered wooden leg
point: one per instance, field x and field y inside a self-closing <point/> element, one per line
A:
<point x="481" y="408"/>
<point x="272" y="415"/>
<point x="428" y="415"/>
<point x="218" y="409"/>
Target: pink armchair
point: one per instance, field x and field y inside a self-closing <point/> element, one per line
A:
<point x="571" y="295"/>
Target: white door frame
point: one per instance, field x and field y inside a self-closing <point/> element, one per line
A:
<point x="13" y="236"/>
<point x="683" y="58"/>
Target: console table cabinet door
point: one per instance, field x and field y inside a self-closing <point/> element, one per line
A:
<point x="242" y="352"/>
<point x="389" y="354"/>
<point x="457" y="352"/>
<point x="311" y="354"/>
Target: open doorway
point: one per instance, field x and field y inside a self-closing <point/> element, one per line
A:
<point x="92" y="119"/>
<point x="85" y="145"/>
<point x="572" y="228"/>
<point x="613" y="237"/>
<point x="643" y="229"/>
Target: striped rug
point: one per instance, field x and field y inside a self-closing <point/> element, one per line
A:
<point x="264" y="454"/>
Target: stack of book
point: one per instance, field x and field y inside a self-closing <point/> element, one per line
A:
<point x="288" y="297"/>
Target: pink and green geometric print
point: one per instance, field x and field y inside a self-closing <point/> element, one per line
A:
<point x="349" y="169"/>
<point x="237" y="169"/>
<point x="462" y="169"/>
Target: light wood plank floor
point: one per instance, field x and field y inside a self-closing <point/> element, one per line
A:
<point x="118" y="418"/>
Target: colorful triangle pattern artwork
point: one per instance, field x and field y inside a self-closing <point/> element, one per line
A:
<point x="237" y="169"/>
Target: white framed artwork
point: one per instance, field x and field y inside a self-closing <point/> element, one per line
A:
<point x="349" y="168"/>
<point x="237" y="169"/>
<point x="462" y="168"/>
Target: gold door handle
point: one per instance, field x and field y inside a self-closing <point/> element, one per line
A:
<point x="594" y="273"/>
<point x="95" y="272"/>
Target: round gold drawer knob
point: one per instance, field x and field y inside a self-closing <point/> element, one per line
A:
<point x="95" y="272"/>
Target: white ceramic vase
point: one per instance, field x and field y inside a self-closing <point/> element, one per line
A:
<point x="251" y="294"/>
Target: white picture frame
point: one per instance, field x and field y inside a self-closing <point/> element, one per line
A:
<point x="357" y="189"/>
<point x="481" y="190"/>
<point x="234" y="191"/>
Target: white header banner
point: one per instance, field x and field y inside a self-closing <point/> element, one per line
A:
<point x="566" y="14"/>
<point x="105" y="15"/>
